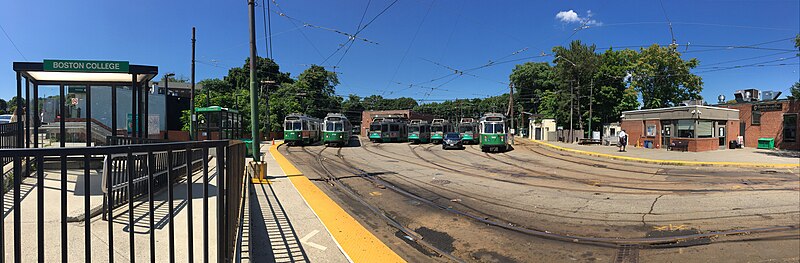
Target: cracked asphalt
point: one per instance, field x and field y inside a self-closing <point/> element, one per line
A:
<point x="554" y="192"/>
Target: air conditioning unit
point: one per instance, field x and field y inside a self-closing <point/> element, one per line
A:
<point x="747" y="95"/>
<point x="770" y="95"/>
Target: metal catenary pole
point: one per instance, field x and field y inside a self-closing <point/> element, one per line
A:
<point x="253" y="98"/>
<point x="193" y="119"/>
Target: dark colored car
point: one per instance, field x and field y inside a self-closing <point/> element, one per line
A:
<point x="452" y="140"/>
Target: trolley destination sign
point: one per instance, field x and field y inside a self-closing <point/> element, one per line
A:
<point x="86" y="66"/>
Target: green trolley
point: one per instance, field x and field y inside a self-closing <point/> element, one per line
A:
<point x="419" y="131"/>
<point x="493" y="132"/>
<point x="299" y="129"/>
<point x="336" y="130"/>
<point x="468" y="128"/>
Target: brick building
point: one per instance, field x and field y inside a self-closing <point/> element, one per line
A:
<point x="776" y="119"/>
<point x="366" y="117"/>
<point x="702" y="128"/>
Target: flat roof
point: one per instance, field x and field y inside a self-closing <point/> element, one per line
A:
<point x="699" y="112"/>
<point x="677" y="108"/>
<point x="45" y="73"/>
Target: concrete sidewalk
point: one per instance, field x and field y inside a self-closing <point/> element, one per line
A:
<point x="282" y="227"/>
<point x="747" y="157"/>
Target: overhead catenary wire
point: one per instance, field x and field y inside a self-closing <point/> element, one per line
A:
<point x="12" y="42"/>
<point x="301" y="31"/>
<point x="410" y="44"/>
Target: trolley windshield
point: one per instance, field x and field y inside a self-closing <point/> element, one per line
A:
<point x="465" y="129"/>
<point x="292" y="126"/>
<point x="375" y="127"/>
<point x="334" y="126"/>
<point x="437" y="128"/>
<point x="493" y="128"/>
<point x="413" y="128"/>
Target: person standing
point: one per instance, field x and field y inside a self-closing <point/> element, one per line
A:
<point x="623" y="140"/>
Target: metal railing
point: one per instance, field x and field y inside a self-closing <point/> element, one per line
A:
<point x="147" y="168"/>
<point x="118" y="140"/>
<point x="8" y="140"/>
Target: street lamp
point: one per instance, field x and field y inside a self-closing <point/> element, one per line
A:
<point x="166" y="102"/>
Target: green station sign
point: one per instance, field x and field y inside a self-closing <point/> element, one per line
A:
<point x="86" y="66"/>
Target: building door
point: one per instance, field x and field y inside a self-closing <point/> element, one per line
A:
<point x="722" y="135"/>
<point x="538" y="134"/>
<point x="741" y="132"/>
<point x="666" y="133"/>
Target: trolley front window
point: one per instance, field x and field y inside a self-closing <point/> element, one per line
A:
<point x="436" y="128"/>
<point x="292" y="126"/>
<point x="413" y="129"/>
<point x="493" y="128"/>
<point x="465" y="129"/>
<point x="375" y="127"/>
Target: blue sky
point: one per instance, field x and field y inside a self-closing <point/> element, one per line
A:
<point x="409" y="35"/>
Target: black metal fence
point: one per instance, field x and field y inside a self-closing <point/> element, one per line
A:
<point x="8" y="139"/>
<point x="146" y="168"/>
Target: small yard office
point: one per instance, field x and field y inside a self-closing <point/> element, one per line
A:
<point x="700" y="128"/>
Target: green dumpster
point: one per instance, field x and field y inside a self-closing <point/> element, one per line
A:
<point x="249" y="144"/>
<point x="766" y="143"/>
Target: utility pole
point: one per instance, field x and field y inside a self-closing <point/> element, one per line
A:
<point x="511" y="110"/>
<point x="253" y="98"/>
<point x="591" y="101"/>
<point x="193" y="121"/>
<point x="571" y="107"/>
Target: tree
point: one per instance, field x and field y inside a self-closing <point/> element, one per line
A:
<point x="3" y="106"/>
<point x="611" y="92"/>
<point x="530" y="81"/>
<point x="352" y="108"/>
<point x="795" y="90"/>
<point x="316" y="88"/>
<point x="575" y="68"/>
<point x="663" y="78"/>
<point x="266" y="69"/>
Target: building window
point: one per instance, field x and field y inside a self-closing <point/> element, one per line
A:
<point x="705" y="129"/>
<point x="685" y="128"/>
<point x="651" y="130"/>
<point x="790" y="128"/>
<point x="756" y="118"/>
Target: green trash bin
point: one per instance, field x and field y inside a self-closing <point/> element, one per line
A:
<point x="766" y="143"/>
<point x="249" y="144"/>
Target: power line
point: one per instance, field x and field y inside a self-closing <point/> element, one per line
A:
<point x="12" y="42"/>
<point x="301" y="31"/>
<point x="410" y="44"/>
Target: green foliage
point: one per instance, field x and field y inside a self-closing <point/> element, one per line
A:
<point x="664" y="78"/>
<point x="530" y="80"/>
<point x="3" y="106"/>
<point x="795" y="90"/>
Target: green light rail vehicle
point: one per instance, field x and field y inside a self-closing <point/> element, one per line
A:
<point x="468" y="128"/>
<point x="419" y="131"/>
<point x="440" y="127"/>
<point x="299" y="129"/>
<point x="336" y="130"/>
<point x="388" y="128"/>
<point x="493" y="132"/>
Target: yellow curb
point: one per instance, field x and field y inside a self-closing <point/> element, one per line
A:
<point x="358" y="243"/>
<point x="670" y="162"/>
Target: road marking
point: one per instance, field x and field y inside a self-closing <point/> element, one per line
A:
<point x="305" y="239"/>
<point x="375" y="193"/>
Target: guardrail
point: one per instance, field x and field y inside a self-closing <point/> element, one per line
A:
<point x="139" y="165"/>
<point x="8" y="140"/>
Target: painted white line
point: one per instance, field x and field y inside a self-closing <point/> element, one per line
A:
<point x="305" y="239"/>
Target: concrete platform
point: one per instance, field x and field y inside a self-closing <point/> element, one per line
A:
<point x="100" y="243"/>
<point x="282" y="226"/>
<point x="727" y="157"/>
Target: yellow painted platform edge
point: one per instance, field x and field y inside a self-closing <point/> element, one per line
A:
<point x="669" y="162"/>
<point x="356" y="241"/>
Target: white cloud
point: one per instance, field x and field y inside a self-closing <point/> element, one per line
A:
<point x="568" y="16"/>
<point x="571" y="16"/>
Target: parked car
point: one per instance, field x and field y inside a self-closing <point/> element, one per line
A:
<point x="452" y="140"/>
<point x="5" y="118"/>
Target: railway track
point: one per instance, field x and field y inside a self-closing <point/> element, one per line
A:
<point x="647" y="242"/>
<point x="333" y="181"/>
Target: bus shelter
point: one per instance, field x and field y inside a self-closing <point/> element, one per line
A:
<point x="75" y="81"/>
<point x="219" y="123"/>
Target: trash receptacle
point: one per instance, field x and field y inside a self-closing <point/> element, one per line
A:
<point x="733" y="144"/>
<point x="249" y="144"/>
<point x="766" y="143"/>
<point x="648" y="144"/>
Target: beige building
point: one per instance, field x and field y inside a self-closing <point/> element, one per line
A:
<point x="542" y="129"/>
